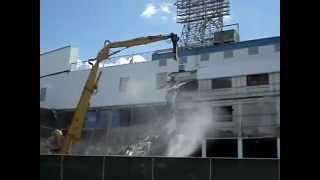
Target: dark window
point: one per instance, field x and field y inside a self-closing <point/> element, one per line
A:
<point x="43" y="92"/>
<point x="90" y="121"/>
<point x="222" y="148"/>
<point x="221" y="83"/>
<point x="260" y="148"/>
<point x="123" y="86"/>
<point x="115" y="118"/>
<point x="125" y="116"/>
<point x="204" y="57"/>
<point x="253" y="50"/>
<point x="118" y="117"/>
<point x="48" y="118"/>
<point x="228" y="54"/>
<point x="191" y="86"/>
<point x="162" y="62"/>
<point x="222" y="114"/>
<point x="161" y="80"/>
<point x="103" y="119"/>
<point x="65" y="118"/>
<point x="257" y="79"/>
<point x="144" y="115"/>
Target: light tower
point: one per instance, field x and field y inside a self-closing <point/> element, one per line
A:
<point x="201" y="20"/>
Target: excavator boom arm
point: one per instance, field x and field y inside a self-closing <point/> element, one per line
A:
<point x="104" y="52"/>
<point x="77" y="122"/>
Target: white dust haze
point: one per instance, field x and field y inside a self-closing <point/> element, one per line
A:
<point x="191" y="131"/>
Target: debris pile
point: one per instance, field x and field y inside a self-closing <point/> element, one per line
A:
<point x="141" y="148"/>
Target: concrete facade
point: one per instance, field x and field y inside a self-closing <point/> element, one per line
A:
<point x="255" y="109"/>
<point x="66" y="88"/>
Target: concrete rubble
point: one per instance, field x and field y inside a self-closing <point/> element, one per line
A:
<point x="140" y="148"/>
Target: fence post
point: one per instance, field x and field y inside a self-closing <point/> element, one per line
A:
<point x="103" y="166"/>
<point x="152" y="168"/>
<point x="61" y="167"/>
<point x="210" y="173"/>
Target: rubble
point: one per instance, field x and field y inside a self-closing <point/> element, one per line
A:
<point x="141" y="148"/>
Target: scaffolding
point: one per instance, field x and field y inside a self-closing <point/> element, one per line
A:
<point x="201" y="19"/>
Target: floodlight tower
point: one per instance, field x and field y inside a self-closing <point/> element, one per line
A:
<point x="201" y="19"/>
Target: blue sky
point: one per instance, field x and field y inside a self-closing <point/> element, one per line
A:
<point x="85" y="24"/>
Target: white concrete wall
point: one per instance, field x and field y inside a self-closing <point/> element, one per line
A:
<point x="142" y="84"/>
<point x="63" y="91"/>
<point x="74" y="55"/>
<point x="57" y="60"/>
<point x="240" y="64"/>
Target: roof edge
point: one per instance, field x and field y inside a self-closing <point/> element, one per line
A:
<point x="68" y="46"/>
<point x="220" y="47"/>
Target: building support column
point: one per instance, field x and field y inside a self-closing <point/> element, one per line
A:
<point x="240" y="125"/>
<point x="204" y="148"/>
<point x="237" y="118"/>
<point x="240" y="148"/>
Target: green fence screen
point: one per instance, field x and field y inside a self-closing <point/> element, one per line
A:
<point x="55" y="167"/>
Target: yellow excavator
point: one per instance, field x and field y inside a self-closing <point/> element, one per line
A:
<point x="74" y="131"/>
